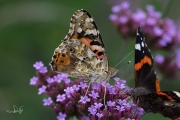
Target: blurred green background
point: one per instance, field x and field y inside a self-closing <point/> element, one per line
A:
<point x="30" y="30"/>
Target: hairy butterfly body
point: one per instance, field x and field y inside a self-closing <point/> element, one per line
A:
<point x="82" y="53"/>
<point x="147" y="92"/>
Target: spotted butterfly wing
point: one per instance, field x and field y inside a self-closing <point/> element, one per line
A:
<point x="147" y="92"/>
<point x="82" y="53"/>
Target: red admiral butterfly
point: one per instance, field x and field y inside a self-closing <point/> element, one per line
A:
<point x="147" y="92"/>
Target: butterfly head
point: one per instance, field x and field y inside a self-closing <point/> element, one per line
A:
<point x="133" y="94"/>
<point x="112" y="72"/>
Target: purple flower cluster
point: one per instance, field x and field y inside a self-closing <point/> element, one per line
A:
<point x="77" y="98"/>
<point x="169" y="65"/>
<point x="160" y="33"/>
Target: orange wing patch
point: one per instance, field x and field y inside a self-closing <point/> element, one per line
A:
<point x="95" y="48"/>
<point x="164" y="94"/>
<point x="145" y="60"/>
<point x="64" y="61"/>
<point x="86" y="41"/>
<point x="157" y="85"/>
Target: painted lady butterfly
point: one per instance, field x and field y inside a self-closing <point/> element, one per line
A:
<point x="82" y="53"/>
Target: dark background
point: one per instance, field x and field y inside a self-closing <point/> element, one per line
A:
<point x="30" y="30"/>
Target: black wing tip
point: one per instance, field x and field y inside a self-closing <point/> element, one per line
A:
<point x="139" y="30"/>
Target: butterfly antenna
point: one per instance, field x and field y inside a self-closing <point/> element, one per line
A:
<point x="124" y="59"/>
<point x="126" y="63"/>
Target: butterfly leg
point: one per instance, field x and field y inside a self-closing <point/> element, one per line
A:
<point x="88" y="88"/>
<point x="104" y="95"/>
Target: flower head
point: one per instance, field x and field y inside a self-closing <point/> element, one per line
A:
<point x="69" y="99"/>
<point x="164" y="30"/>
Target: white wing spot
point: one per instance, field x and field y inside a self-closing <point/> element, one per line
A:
<point x="89" y="53"/>
<point x="79" y="15"/>
<point x="70" y="31"/>
<point x="137" y="47"/>
<point x="72" y="25"/>
<point x="66" y="37"/>
<point x="97" y="31"/>
<point x="91" y="19"/>
<point x="177" y="93"/>
<point x="88" y="32"/>
<point x="142" y="43"/>
<point x="137" y="33"/>
<point x="79" y="30"/>
<point x="94" y="32"/>
<point x="87" y="20"/>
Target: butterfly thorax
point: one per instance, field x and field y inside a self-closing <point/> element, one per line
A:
<point x="137" y="93"/>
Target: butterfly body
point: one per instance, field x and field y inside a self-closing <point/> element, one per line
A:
<point x="82" y="53"/>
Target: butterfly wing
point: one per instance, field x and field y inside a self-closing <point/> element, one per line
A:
<point x="144" y="73"/>
<point x="173" y="96"/>
<point x="157" y="103"/>
<point x="147" y="93"/>
<point x="84" y="45"/>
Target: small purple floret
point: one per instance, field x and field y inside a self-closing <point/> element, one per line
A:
<point x="47" y="101"/>
<point x="61" y="116"/>
<point x="33" y="80"/>
<point x="42" y="89"/>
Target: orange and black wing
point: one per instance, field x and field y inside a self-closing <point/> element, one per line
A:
<point x="143" y="65"/>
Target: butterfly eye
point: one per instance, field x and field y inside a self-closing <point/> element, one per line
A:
<point x="71" y="49"/>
